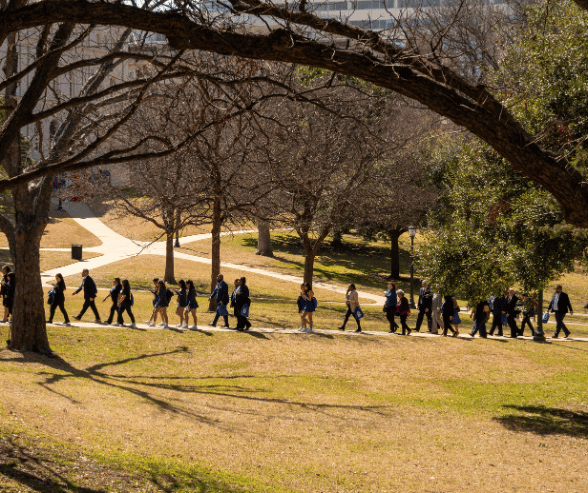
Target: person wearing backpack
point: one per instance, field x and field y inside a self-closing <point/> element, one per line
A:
<point x="242" y="303"/>
<point x="161" y="304"/>
<point x="221" y="295"/>
<point x="352" y="302"/>
<point x="114" y="292"/>
<point x="192" y="304"/>
<point x="181" y="310"/>
<point x="124" y="303"/>
<point x="58" y="300"/>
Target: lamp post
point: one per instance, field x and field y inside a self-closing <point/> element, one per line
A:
<point x="412" y="234"/>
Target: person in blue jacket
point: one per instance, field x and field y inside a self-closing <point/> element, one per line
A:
<point x="306" y="307"/>
<point x="90" y="292"/>
<point x="181" y="310"/>
<point x="390" y="306"/>
<point x="114" y="292"/>
<point x="498" y="313"/>
<point x="192" y="304"/>
<point x="221" y="296"/>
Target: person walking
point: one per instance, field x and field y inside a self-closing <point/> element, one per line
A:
<point x="528" y="311"/>
<point x="114" y="292"/>
<point x="161" y="304"/>
<point x="390" y="306"/>
<point x="58" y="300"/>
<point x="307" y="308"/>
<point x="498" y="313"/>
<point x="90" y="293"/>
<point x="125" y="302"/>
<point x="153" y="318"/>
<point x="7" y="290"/>
<point x="403" y="311"/>
<point x="192" y="304"/>
<point x="448" y="314"/>
<point x="233" y="303"/>
<point x="181" y="310"/>
<point x="560" y="305"/>
<point x="242" y="304"/>
<point x="352" y="302"/>
<point x="437" y="318"/>
<point x="424" y="306"/>
<point x="221" y="295"/>
<point x="511" y="313"/>
<point x="481" y="315"/>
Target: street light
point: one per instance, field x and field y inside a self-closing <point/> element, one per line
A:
<point x="412" y="234"/>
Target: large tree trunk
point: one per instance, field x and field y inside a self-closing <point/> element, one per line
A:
<point x="169" y="258"/>
<point x="264" y="239"/>
<point x="28" y="330"/>
<point x="395" y="253"/>
<point x="309" y="267"/>
<point x="216" y="244"/>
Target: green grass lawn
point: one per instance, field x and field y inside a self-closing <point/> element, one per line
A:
<point x="231" y="412"/>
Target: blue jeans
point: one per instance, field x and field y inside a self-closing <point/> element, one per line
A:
<point x="481" y="326"/>
<point x="560" y="324"/>
<point x="217" y="316"/>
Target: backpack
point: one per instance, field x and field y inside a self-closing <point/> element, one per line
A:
<point x="169" y="294"/>
<point x="51" y="297"/>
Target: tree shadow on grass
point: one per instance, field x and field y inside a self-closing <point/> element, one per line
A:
<point x="543" y="420"/>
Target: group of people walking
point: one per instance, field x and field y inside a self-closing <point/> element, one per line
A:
<point x="441" y="313"/>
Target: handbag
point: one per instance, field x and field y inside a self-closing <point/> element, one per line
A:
<point x="222" y="310"/>
<point x="357" y="313"/>
<point x="546" y="317"/>
<point x="244" y="312"/>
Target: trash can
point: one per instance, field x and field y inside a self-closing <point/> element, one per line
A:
<point x="76" y="252"/>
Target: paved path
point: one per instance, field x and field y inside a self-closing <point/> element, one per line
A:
<point x="116" y="247"/>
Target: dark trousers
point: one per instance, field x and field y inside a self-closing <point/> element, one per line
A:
<point x="419" y="320"/>
<point x="479" y="326"/>
<point x="92" y="305"/>
<point x="113" y="310"/>
<point x="526" y="321"/>
<point x="125" y="306"/>
<point x="512" y="323"/>
<point x="560" y="324"/>
<point x="348" y="313"/>
<point x="242" y="322"/>
<point x="225" y="318"/>
<point x="447" y="324"/>
<point x="390" y="312"/>
<point x="404" y="325"/>
<point x="496" y="323"/>
<point x="61" y="306"/>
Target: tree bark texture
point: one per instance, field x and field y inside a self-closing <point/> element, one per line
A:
<point x="264" y="239"/>
<point x="384" y="65"/>
<point x="216" y="244"/>
<point x="169" y="258"/>
<point x="309" y="267"/>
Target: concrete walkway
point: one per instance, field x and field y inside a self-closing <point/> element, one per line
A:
<point x="116" y="247"/>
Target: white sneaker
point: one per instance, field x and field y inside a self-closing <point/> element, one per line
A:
<point x="179" y="326"/>
<point x="184" y="326"/>
<point x="115" y="325"/>
<point x="194" y="327"/>
<point x="301" y="329"/>
<point x="133" y="326"/>
<point x="148" y="322"/>
<point x="162" y="324"/>
<point x="152" y="324"/>
<point x="165" y="326"/>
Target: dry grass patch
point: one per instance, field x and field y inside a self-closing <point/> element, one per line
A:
<point x="307" y="414"/>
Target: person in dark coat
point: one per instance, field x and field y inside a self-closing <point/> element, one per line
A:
<point x="498" y="311"/>
<point x="424" y="306"/>
<point x="7" y="291"/>
<point x="233" y="303"/>
<point x="448" y="313"/>
<point x="114" y="292"/>
<point x="390" y="306"/>
<point x="58" y="300"/>
<point x="192" y="304"/>
<point x="481" y="315"/>
<point x="560" y="305"/>
<point x="221" y="295"/>
<point x="242" y="300"/>
<point x="90" y="293"/>
<point x="511" y="313"/>
<point x="124" y="303"/>
<point x="182" y="308"/>
<point x="528" y="311"/>
<point x="403" y="310"/>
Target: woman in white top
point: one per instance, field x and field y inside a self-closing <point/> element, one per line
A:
<point x="352" y="305"/>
